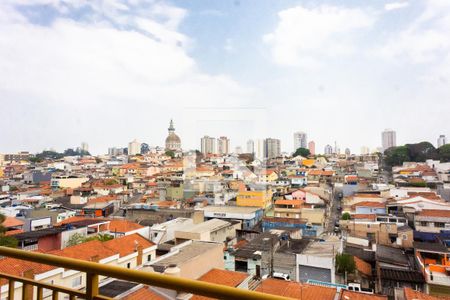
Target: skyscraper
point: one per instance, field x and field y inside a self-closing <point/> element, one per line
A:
<point x="250" y="146"/>
<point x="259" y="149"/>
<point x="84" y="147"/>
<point x="388" y="139"/>
<point x="347" y="151"/>
<point x="272" y="147"/>
<point x="300" y="140"/>
<point x="312" y="147"/>
<point x="223" y="145"/>
<point x="208" y="145"/>
<point x="134" y="147"/>
<point x="441" y="140"/>
<point x="328" y="150"/>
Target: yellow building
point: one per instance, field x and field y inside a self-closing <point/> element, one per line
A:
<point x="261" y="199"/>
<point x="308" y="162"/>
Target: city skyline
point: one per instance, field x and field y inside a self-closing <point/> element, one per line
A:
<point x="56" y="91"/>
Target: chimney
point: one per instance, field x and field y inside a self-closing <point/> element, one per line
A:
<point x="28" y="289"/>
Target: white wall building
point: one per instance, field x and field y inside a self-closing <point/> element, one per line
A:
<point x="441" y="140"/>
<point x="223" y="145"/>
<point x="300" y="140"/>
<point x="208" y="145"/>
<point x="388" y="139"/>
<point x="134" y="147"/>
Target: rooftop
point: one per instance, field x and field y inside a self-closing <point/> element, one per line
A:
<point x="184" y="254"/>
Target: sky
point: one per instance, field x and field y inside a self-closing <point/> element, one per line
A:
<point x="107" y="72"/>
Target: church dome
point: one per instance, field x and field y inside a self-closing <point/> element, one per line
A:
<point x="172" y="138"/>
<point x="173" y="141"/>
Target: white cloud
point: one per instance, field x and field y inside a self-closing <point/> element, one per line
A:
<point x="302" y="34"/>
<point x="395" y="5"/>
<point x="425" y="39"/>
<point x="84" y="72"/>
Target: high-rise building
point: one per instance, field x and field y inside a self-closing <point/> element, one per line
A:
<point x="328" y="150"/>
<point x="272" y="147"/>
<point x="365" y="150"/>
<point x="250" y="146"/>
<point x="84" y="147"/>
<point x="134" y="147"/>
<point x="238" y="150"/>
<point x="208" y="145"/>
<point x="347" y="151"/>
<point x="312" y="147"/>
<point x="300" y="140"/>
<point x="113" y="151"/>
<point x="260" y="149"/>
<point x="223" y="145"/>
<point x="173" y="141"/>
<point x="388" y="139"/>
<point x="441" y="140"/>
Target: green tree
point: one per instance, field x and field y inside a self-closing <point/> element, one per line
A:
<point x="76" y="239"/>
<point x="6" y="241"/>
<point x="346" y="216"/>
<point x="302" y="152"/>
<point x="444" y="153"/>
<point x="395" y="156"/>
<point x="170" y="153"/>
<point x="345" y="263"/>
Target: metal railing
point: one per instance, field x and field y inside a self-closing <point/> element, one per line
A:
<point x="94" y="270"/>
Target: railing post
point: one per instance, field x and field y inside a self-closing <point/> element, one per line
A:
<point x="91" y="286"/>
<point x="40" y="293"/>
<point x="11" y="289"/>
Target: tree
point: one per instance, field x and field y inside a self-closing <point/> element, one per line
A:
<point x="345" y="263"/>
<point x="170" y="153"/>
<point x="6" y="241"/>
<point x="444" y="153"/>
<point x="346" y="216"/>
<point x="76" y="239"/>
<point x="395" y="156"/>
<point x="302" y="152"/>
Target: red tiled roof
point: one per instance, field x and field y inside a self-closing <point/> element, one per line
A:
<point x="296" y="203"/>
<point x="296" y="290"/>
<point x="123" y="226"/>
<point x="143" y="293"/>
<point x="223" y="277"/>
<point x="13" y="232"/>
<point x="362" y="266"/>
<point x="369" y="204"/>
<point x="127" y="244"/>
<point x="435" y="213"/>
<point x="12" y="222"/>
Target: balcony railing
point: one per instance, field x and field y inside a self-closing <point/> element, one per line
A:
<point x="94" y="270"/>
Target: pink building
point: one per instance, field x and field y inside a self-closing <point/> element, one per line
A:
<point x="312" y="147"/>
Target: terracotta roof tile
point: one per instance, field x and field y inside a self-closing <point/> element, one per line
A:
<point x="143" y="293"/>
<point x="223" y="277"/>
<point x="362" y="266"/>
<point x="296" y="290"/>
<point x="123" y="226"/>
<point x="435" y="213"/>
<point x="12" y="222"/>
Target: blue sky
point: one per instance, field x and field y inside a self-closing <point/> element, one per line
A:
<point x="108" y="71"/>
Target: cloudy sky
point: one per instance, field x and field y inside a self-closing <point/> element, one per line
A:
<point x="106" y="72"/>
